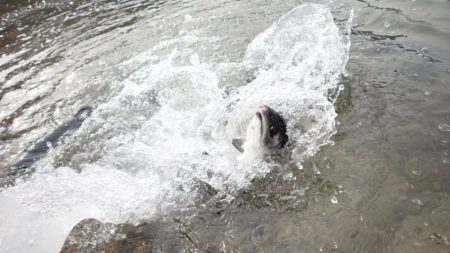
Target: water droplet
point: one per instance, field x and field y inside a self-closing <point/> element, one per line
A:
<point x="427" y="93"/>
<point x="416" y="172"/>
<point x="416" y="167"/>
<point x="328" y="164"/>
<point x="387" y="24"/>
<point x="194" y="59"/>
<point x="334" y="200"/>
<point x="335" y="245"/>
<point x="417" y="201"/>
<point x="444" y="127"/>
<point x="425" y="50"/>
<point x="187" y="17"/>
<point x="299" y="192"/>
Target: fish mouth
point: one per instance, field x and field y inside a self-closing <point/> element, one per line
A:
<point x="261" y="123"/>
<point x="258" y="114"/>
<point x="263" y="115"/>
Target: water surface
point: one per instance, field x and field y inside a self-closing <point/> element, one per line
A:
<point x="173" y="81"/>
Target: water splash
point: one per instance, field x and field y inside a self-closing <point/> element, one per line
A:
<point x="171" y="121"/>
<point x="296" y="62"/>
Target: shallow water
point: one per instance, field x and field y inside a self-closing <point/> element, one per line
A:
<point x="171" y="80"/>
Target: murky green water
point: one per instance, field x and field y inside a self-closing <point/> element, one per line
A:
<point x="382" y="187"/>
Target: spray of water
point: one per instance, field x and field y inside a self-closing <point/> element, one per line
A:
<point x="172" y="122"/>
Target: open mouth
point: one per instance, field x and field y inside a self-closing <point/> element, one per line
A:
<point x="263" y="116"/>
<point x="258" y="114"/>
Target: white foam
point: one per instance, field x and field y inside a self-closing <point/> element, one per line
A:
<point x="172" y="122"/>
<point x="23" y="230"/>
<point x="296" y="62"/>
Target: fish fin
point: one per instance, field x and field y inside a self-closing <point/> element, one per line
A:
<point x="239" y="144"/>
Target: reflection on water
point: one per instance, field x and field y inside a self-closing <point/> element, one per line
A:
<point x="383" y="186"/>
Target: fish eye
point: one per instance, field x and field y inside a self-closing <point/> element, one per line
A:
<point x="272" y="131"/>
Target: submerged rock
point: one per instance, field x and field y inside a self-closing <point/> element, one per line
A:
<point x="91" y="235"/>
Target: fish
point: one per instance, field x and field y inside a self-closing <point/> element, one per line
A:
<point x="23" y="167"/>
<point x="266" y="133"/>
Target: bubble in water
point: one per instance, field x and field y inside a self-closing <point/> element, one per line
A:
<point x="444" y="127"/>
<point x="445" y="161"/>
<point x="387" y="24"/>
<point x="417" y="201"/>
<point x="334" y="200"/>
<point x="416" y="167"/>
<point x="326" y="163"/>
<point x="416" y="171"/>
<point x="427" y="93"/>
